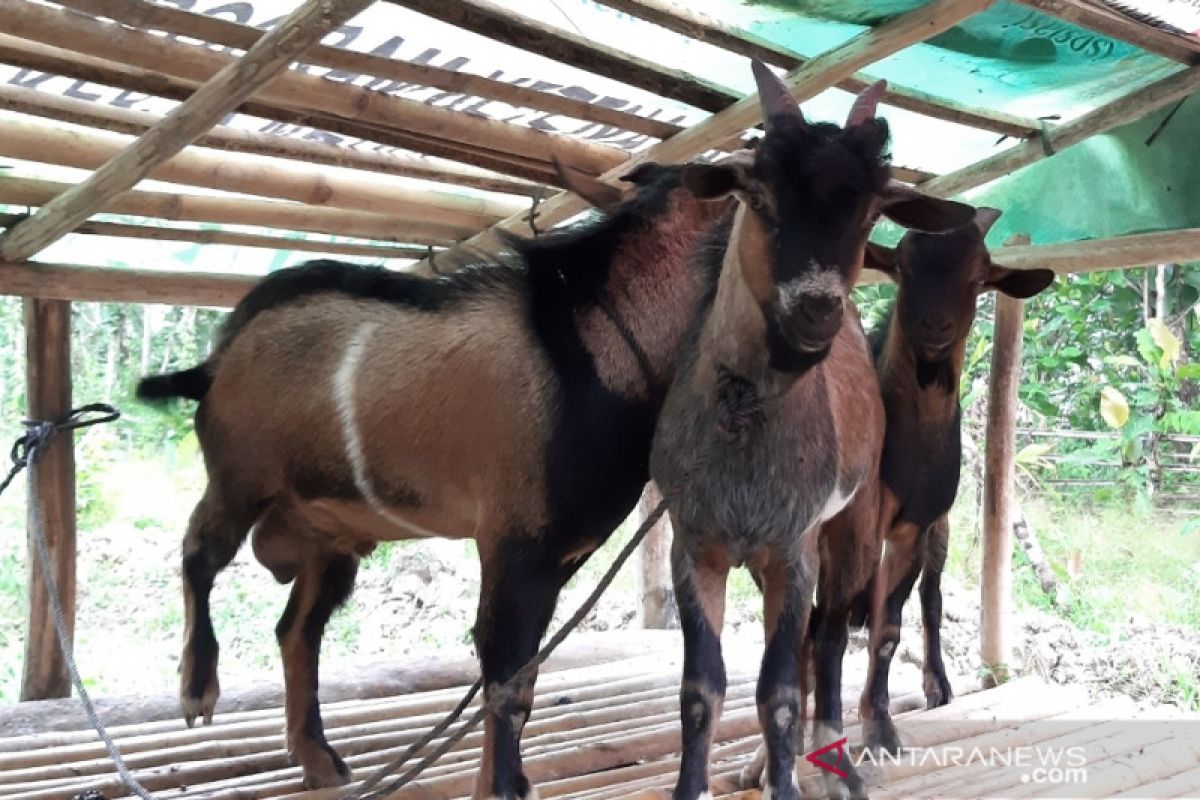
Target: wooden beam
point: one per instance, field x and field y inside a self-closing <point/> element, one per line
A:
<point x="1121" y="252"/>
<point x="58" y="282"/>
<point x="1127" y="109"/>
<point x="814" y="77"/>
<point x="206" y="236"/>
<point x="52" y="498"/>
<point x="704" y="28"/>
<point x="996" y="577"/>
<point x="242" y="174"/>
<point x="502" y="25"/>
<point x="298" y="92"/>
<point x="149" y="16"/>
<point x="236" y="211"/>
<point x="1095" y="17"/>
<point x="44" y="58"/>
<point x="217" y="97"/>
<point x="656" y="588"/>
<point x="236" y="140"/>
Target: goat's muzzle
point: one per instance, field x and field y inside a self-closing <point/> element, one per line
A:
<point x="813" y="320"/>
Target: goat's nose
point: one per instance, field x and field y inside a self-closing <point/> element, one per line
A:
<point x="936" y="325"/>
<point x="819" y="309"/>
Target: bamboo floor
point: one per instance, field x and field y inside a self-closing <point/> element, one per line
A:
<point x="610" y="730"/>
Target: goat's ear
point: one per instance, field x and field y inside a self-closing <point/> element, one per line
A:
<point x="1019" y="283"/>
<point x="881" y="259"/>
<point x="600" y="194"/>
<point x="917" y="211"/>
<point x="713" y="181"/>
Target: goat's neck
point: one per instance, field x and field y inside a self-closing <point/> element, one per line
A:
<point x="898" y="366"/>
<point x="653" y="289"/>
<point x="734" y="336"/>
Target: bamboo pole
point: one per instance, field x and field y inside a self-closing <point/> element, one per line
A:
<point x="54" y="60"/>
<point x="252" y="175"/>
<point x="512" y="28"/>
<point x="124" y="120"/>
<point x="1000" y="437"/>
<point x="815" y="76"/>
<point x="51" y="509"/>
<point x="701" y="26"/>
<point x="206" y="236"/>
<point x="296" y="91"/>
<point x="1110" y="23"/>
<point x="219" y="95"/>
<point x="655" y="586"/>
<point x="238" y="211"/>
<point x="140" y="14"/>
<point x="1127" y="109"/>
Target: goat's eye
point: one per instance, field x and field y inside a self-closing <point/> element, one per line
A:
<point x="756" y="201"/>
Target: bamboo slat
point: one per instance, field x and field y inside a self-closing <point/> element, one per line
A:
<point x="220" y="94"/>
<point x="1108" y="22"/>
<point x="215" y="30"/>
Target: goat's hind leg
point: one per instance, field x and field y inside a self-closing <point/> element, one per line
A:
<point x="700" y="593"/>
<point x="215" y="532"/>
<point x="323" y="581"/>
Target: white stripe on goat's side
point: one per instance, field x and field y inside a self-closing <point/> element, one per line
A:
<point x="343" y="394"/>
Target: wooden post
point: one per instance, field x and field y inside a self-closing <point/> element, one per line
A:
<point x="48" y="378"/>
<point x="655" y="587"/>
<point x="996" y="583"/>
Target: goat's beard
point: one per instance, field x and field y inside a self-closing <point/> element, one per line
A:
<point x="936" y="373"/>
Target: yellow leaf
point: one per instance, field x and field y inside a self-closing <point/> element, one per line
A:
<point x="1114" y="408"/>
<point x="1166" y="341"/>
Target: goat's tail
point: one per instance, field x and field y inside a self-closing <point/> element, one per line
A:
<point x="190" y="383"/>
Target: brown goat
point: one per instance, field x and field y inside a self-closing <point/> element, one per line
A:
<point x="512" y="402"/>
<point x="774" y="422"/>
<point x="919" y="359"/>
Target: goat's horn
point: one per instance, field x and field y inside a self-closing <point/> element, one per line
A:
<point x="864" y="105"/>
<point x="773" y="93"/>
<point x="985" y="218"/>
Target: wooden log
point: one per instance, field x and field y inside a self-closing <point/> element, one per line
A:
<point x="1182" y="784"/>
<point x="996" y="579"/>
<point x="238" y="211"/>
<point x="656" y="589"/>
<point x="1096" y="17"/>
<point x="300" y="92"/>
<point x="44" y="58"/>
<point x="1120" y="252"/>
<point x="1127" y="109"/>
<point x="125" y="120"/>
<point x="512" y="28"/>
<point x="252" y="175"/>
<point x="208" y="236"/>
<point x="51" y="506"/>
<point x="698" y="25"/>
<point x="220" y="94"/>
<point x="815" y="76"/>
<point x="1024" y="533"/>
<point x="140" y="14"/>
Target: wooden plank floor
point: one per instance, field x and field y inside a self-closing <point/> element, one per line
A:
<point x="610" y="730"/>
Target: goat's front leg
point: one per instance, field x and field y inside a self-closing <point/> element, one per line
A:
<point x="937" y="685"/>
<point x="787" y="587"/>
<point x="700" y="592"/>
<point x="323" y="582"/>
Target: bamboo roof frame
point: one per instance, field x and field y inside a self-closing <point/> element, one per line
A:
<point x="477" y="153"/>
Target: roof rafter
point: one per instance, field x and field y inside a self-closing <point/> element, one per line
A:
<point x="809" y="80"/>
<point x="700" y="26"/>
<point x="1129" y="108"/>
<point x="218" y="96"/>
<point x="1110" y="23"/>
<point x="501" y="25"/>
<point x="145" y="15"/>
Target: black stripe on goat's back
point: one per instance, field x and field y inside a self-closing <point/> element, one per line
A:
<point x="369" y="283"/>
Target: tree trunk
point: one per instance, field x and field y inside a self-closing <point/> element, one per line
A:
<point x="655" y="587"/>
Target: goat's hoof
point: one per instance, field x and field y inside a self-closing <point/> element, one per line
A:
<point x="880" y="736"/>
<point x="323" y="768"/>
<point x="852" y="787"/>
<point x="937" y="690"/>
<point x="202" y="706"/>
<point x="752" y="775"/>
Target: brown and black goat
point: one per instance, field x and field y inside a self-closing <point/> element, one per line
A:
<point x="774" y="422"/>
<point x="512" y="402"/>
<point x="919" y="359"/>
